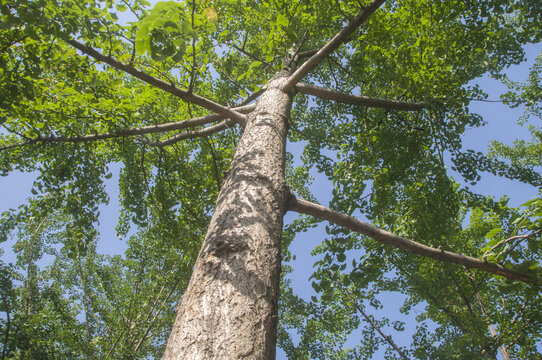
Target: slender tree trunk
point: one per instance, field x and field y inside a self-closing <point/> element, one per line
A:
<point x="229" y="310"/>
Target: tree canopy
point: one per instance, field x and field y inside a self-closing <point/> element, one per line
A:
<point x="163" y="93"/>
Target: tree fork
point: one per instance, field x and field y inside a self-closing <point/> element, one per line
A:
<point x="229" y="310"/>
<point x="340" y="38"/>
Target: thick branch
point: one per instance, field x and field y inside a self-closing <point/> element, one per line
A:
<point x="358" y="99"/>
<point x="172" y="89"/>
<point x="383" y="236"/>
<point x="341" y="37"/>
<point x="193" y="134"/>
<point x="177" y="125"/>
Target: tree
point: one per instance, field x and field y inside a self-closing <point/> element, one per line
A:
<point x="84" y="90"/>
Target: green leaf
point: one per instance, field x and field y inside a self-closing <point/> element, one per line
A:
<point x="493" y="232"/>
<point x="255" y="64"/>
<point x="282" y="20"/>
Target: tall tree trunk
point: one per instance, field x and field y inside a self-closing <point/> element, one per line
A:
<point x="229" y="310"/>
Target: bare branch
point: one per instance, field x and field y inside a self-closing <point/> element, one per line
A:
<point x="193" y="134"/>
<point x="520" y="312"/>
<point x="340" y="38"/>
<point x="11" y="43"/>
<point x="177" y="125"/>
<point x="171" y="88"/>
<point x="215" y="163"/>
<point x="116" y="341"/>
<point x="488" y="101"/>
<point x="358" y="99"/>
<point x="383" y="236"/>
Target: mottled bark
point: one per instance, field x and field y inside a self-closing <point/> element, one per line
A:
<point x="229" y="310"/>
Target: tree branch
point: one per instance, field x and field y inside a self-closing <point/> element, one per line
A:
<point x="383" y="236"/>
<point x="307" y="53"/>
<point x="116" y="341"/>
<point x="340" y="38"/>
<point x="367" y="318"/>
<point x="146" y="334"/>
<point x="510" y="239"/>
<point x="490" y="326"/>
<point x="171" y="88"/>
<point x="250" y="55"/>
<point x="358" y="99"/>
<point x="192" y="134"/>
<point x="193" y="70"/>
<point x="252" y="97"/>
<point x="177" y="125"/>
<point x="442" y="307"/>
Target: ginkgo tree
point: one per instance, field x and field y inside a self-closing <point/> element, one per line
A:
<point x="196" y="101"/>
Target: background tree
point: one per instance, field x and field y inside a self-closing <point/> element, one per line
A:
<point x="84" y="92"/>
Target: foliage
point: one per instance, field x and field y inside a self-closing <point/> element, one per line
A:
<point x="63" y="299"/>
<point x="527" y="95"/>
<point x="163" y="33"/>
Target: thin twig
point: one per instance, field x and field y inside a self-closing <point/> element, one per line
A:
<point x="193" y="71"/>
<point x="215" y="164"/>
<point x="243" y="51"/>
<point x="145" y="335"/>
<point x="252" y="97"/>
<point x="8" y="325"/>
<point x="490" y="326"/>
<point x="503" y="242"/>
<point x="388" y="338"/>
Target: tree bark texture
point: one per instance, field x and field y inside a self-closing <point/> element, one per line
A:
<point x="229" y="310"/>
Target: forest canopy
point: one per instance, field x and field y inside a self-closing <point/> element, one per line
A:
<point x="219" y="117"/>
